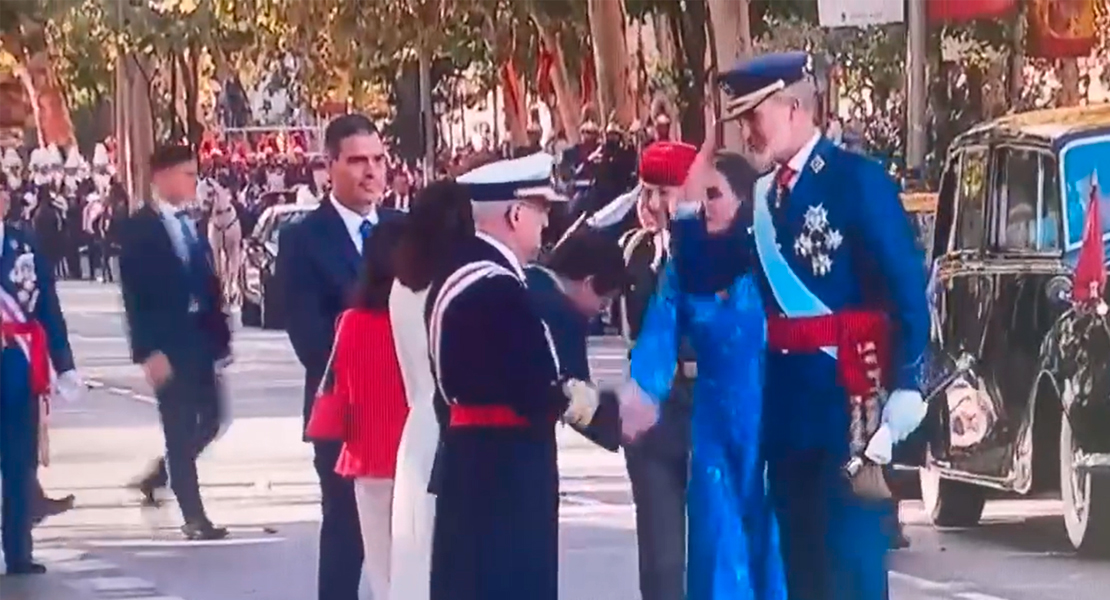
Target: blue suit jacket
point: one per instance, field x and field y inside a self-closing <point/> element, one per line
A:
<point x="157" y="294"/>
<point x="317" y="267"/>
<point x="47" y="309"/>
<point x="845" y="208"/>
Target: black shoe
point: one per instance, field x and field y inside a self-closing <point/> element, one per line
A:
<point x="148" y="492"/>
<point x="49" y="507"/>
<point x="203" y="531"/>
<point x="26" y="568"/>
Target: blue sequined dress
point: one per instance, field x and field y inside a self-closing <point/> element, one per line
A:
<point x="707" y="296"/>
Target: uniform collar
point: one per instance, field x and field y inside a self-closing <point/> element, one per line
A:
<point x="165" y="209"/>
<point x="514" y="262"/>
<point x="799" y="160"/>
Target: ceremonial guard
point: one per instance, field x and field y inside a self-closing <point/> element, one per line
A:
<point x="47" y="215"/>
<point x="657" y="464"/>
<point x="99" y="214"/>
<point x="499" y="396"/>
<point x="34" y="345"/>
<point x="76" y="187"/>
<point x="848" y="321"/>
<point x="19" y="186"/>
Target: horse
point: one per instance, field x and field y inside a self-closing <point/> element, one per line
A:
<point x="225" y="237"/>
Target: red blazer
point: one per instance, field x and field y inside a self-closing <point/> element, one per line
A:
<point x="367" y="377"/>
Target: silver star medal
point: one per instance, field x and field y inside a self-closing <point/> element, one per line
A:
<point x="194" y="306"/>
<point x="817" y="164"/>
<point x="818" y="241"/>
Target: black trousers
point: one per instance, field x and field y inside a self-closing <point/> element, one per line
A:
<point x="19" y="433"/>
<point x="189" y="405"/>
<point x="658" y="467"/>
<point x="340" y="566"/>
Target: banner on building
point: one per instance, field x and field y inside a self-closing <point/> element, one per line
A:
<point x="1061" y="28"/>
<point x="859" y="13"/>
<point x="958" y="11"/>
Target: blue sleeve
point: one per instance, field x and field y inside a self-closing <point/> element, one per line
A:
<point x="142" y="314"/>
<point x="889" y="239"/>
<point x="655" y="355"/>
<point x="48" y="311"/>
<point x="310" y="331"/>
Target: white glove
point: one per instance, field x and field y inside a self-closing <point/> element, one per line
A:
<point x="69" y="386"/>
<point x="583" y="402"/>
<point x="903" y="413"/>
<point x="880" y="450"/>
<point x="638" y="412"/>
<point x="224" y="363"/>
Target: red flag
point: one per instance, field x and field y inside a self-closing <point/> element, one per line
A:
<point x="1090" y="274"/>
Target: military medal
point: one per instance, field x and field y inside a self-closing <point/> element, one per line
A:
<point x="194" y="306"/>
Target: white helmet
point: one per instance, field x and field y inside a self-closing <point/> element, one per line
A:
<point x="100" y="156"/>
<point x="11" y="159"/>
<point x="53" y="156"/>
<point x="73" y="159"/>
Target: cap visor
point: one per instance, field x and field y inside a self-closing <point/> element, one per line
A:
<point x="736" y="107"/>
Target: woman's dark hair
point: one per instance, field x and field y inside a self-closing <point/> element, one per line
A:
<point x="377" y="274"/>
<point x="440" y="217"/>
<point x="587" y="253"/>
<point x="738" y="172"/>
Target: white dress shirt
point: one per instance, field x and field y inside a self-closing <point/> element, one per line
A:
<point x="168" y="212"/>
<point x="514" y="262"/>
<point x="353" y="221"/>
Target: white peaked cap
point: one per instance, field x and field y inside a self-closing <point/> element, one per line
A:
<point x="11" y="158"/>
<point x="73" y="158"/>
<point x="100" y="156"/>
<point x="36" y="157"/>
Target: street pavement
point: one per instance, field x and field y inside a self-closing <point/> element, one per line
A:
<point x="258" y="480"/>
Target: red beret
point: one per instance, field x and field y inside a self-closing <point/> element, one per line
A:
<point x="666" y="163"/>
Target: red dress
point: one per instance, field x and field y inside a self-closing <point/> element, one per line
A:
<point x="367" y="377"/>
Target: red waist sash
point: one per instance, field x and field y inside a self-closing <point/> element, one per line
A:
<point x="861" y="339"/>
<point x="38" y="358"/>
<point x="485" y="415"/>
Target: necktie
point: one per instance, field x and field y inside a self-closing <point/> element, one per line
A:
<point x="783" y="179"/>
<point x="365" y="228"/>
<point x="186" y="233"/>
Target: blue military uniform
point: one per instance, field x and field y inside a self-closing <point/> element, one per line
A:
<point x="495" y="474"/>
<point x="34" y="340"/>
<point x="845" y="293"/>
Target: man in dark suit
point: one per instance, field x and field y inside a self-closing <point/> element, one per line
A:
<point x="177" y="327"/>
<point x="318" y="263"/>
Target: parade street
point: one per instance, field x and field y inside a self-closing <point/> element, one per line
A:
<point x="258" y="480"/>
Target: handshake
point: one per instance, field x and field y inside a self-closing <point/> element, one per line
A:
<point x="605" y="416"/>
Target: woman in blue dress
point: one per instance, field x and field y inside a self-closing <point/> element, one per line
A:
<point x="709" y="298"/>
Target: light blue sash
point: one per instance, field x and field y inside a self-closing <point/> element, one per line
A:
<point x="792" y="295"/>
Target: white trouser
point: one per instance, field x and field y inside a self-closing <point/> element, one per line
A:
<point x="375" y="502"/>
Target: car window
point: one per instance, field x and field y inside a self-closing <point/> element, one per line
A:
<point x="946" y="207"/>
<point x="281" y="221"/>
<point x="971" y="195"/>
<point x="1017" y="188"/>
<point x="1051" y="227"/>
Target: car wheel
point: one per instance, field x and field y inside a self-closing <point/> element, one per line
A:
<point x="950" y="503"/>
<point x="250" y="314"/>
<point x="1086" y="499"/>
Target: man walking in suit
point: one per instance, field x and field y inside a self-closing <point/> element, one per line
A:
<point x="177" y="327"/>
<point x="318" y="263"/>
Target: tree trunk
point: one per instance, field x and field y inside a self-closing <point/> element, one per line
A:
<point x="568" y="103"/>
<point x="607" y="28"/>
<point x="427" y="117"/>
<point x="733" y="38"/>
<point x="1068" y="72"/>
<point x="134" y="126"/>
<point x="690" y="28"/>
<point x="52" y="117"/>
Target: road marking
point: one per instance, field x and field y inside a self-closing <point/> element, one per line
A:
<point x="921" y="583"/>
<point x="977" y="596"/>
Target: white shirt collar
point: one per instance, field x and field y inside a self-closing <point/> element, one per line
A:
<point x="352" y="219"/>
<point x="514" y="262"/>
<point x="799" y="160"/>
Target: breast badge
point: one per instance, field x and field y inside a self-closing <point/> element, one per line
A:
<point x="25" y="280"/>
<point x="817" y="241"/>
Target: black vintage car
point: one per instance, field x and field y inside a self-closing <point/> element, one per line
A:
<point x="261" y="304"/>
<point x="1020" y="372"/>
